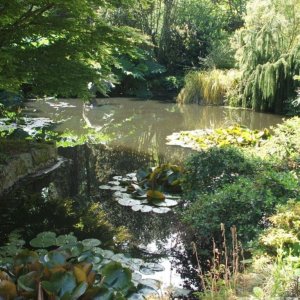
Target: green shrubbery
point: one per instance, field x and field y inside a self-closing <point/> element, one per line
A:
<point x="243" y="203"/>
<point x="241" y="187"/>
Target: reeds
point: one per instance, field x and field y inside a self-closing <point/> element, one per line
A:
<point x="208" y="87"/>
<point x="221" y="281"/>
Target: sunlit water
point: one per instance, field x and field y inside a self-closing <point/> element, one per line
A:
<point x="135" y="136"/>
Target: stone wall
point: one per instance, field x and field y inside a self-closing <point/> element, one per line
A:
<point x="20" y="165"/>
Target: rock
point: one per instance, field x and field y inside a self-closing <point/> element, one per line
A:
<point x="18" y="166"/>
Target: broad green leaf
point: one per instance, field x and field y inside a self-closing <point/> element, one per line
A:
<point x="79" y="290"/>
<point x="54" y="258"/>
<point x="90" y="243"/>
<point x="27" y="282"/>
<point x="44" y="240"/>
<point x="116" y="276"/>
<point x="67" y="239"/>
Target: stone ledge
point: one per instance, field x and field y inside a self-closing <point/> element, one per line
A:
<point x="24" y="164"/>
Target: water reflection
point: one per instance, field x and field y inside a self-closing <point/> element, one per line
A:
<point x="143" y="125"/>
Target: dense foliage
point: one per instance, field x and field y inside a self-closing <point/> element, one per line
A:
<point x="64" y="268"/>
<point x="61" y="47"/>
<point x="241" y="188"/>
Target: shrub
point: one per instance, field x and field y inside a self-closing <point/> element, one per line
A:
<point x="245" y="203"/>
<point x="206" y="171"/>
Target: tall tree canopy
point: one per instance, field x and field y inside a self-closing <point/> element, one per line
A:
<point x="58" y="46"/>
<point x="269" y="53"/>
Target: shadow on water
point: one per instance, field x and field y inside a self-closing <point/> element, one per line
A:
<point x="69" y="199"/>
<point x="66" y="201"/>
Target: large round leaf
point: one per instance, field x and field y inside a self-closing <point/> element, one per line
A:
<point x="116" y="276"/>
<point x="91" y="243"/>
<point x="66" y="239"/>
<point x="44" y="240"/>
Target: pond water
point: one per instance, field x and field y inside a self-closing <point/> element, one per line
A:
<point x="134" y="135"/>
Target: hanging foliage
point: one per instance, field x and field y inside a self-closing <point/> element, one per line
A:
<point x="268" y="52"/>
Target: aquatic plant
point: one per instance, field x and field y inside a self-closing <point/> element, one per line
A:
<point x="207" y="138"/>
<point x="72" y="269"/>
<point x="148" y="190"/>
<point x="208" y="87"/>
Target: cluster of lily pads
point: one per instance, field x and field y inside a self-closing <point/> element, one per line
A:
<point x="148" y="190"/>
<point x="72" y="270"/>
<point x="206" y="138"/>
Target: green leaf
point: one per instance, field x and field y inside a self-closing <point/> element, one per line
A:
<point x="90" y="243"/>
<point x="80" y="290"/>
<point x="27" y="282"/>
<point x="67" y="239"/>
<point x="258" y="292"/>
<point x="44" y="240"/>
<point x="116" y="276"/>
<point x="54" y="258"/>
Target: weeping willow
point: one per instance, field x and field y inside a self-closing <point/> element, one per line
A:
<point x="269" y="54"/>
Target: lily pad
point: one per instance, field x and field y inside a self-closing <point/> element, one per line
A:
<point x="90" y="243"/>
<point x="146" y="271"/>
<point x="146" y="208"/>
<point x="137" y="207"/>
<point x="117" y="188"/>
<point x="117" y="178"/>
<point x="161" y="210"/>
<point x="128" y="202"/>
<point x="152" y="283"/>
<point x="105" y="187"/>
<point x="166" y="203"/>
<point x="154" y="266"/>
<point x="114" y="182"/>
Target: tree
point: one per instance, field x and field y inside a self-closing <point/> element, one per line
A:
<point x="268" y="51"/>
<point x="59" y="47"/>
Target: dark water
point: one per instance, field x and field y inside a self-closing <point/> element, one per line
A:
<point x="135" y="135"/>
